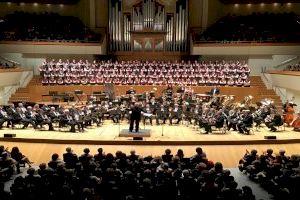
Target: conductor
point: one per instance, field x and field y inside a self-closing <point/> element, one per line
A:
<point x="135" y="117"/>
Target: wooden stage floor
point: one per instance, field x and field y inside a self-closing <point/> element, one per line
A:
<point x="228" y="148"/>
<point x="108" y="134"/>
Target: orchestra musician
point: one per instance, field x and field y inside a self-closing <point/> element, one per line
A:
<point x="43" y="119"/>
<point x="289" y="112"/>
<point x="67" y="119"/>
<point x="214" y="91"/>
<point x="246" y="121"/>
<point x="272" y="120"/>
<point x="115" y="113"/>
<point x="30" y="117"/>
<point x="55" y="116"/>
<point x="161" y="114"/>
<point x="175" y="113"/>
<point x="20" y="118"/>
<point x="3" y="117"/>
<point x="147" y="114"/>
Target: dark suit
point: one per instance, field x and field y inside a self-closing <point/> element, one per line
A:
<point x="162" y="114"/>
<point x="22" y="118"/>
<point x="42" y="119"/>
<point x="246" y="122"/>
<point x="12" y="113"/>
<point x="175" y="114"/>
<point x="135" y="118"/>
<point x="214" y="91"/>
<point x="3" y="118"/>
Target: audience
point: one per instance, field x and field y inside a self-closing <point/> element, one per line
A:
<point x="231" y="73"/>
<point x="257" y="27"/>
<point x="105" y="176"/>
<point x="44" y="26"/>
<point x="278" y="174"/>
<point x="295" y="67"/>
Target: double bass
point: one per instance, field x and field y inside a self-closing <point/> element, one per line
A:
<point x="296" y="123"/>
<point x="289" y="116"/>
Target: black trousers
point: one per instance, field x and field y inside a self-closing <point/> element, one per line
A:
<point x="2" y="120"/>
<point x="271" y="126"/>
<point x="150" y="119"/>
<point x="137" y="124"/>
<point x="46" y="122"/>
<point x="26" y="122"/>
<point x="242" y="127"/>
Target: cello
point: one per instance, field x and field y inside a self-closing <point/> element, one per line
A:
<point x="296" y="123"/>
<point x="289" y="116"/>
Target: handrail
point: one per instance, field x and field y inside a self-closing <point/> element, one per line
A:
<point x="57" y="40"/>
<point x="282" y="95"/>
<point x="10" y="61"/>
<point x="24" y="81"/>
<point x="286" y="62"/>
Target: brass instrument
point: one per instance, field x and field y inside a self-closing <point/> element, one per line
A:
<point x="247" y="101"/>
<point x="228" y="101"/>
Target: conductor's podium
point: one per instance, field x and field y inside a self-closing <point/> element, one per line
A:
<point x="135" y="135"/>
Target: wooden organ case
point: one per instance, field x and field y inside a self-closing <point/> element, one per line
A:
<point x="148" y="27"/>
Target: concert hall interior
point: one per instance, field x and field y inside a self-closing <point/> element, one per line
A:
<point x="149" y="99"/>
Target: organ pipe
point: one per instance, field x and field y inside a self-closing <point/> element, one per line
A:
<point x="152" y="16"/>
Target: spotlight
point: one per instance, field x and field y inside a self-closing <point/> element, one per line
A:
<point x="249" y="5"/>
<point x="262" y="4"/>
<point x="9" y="3"/>
<point x="35" y="4"/>
<point x="275" y="4"/>
<point x="236" y="5"/>
<point x="22" y="4"/>
<point x="61" y="5"/>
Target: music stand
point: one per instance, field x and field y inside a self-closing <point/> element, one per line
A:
<point x="53" y="94"/>
<point x="78" y="94"/>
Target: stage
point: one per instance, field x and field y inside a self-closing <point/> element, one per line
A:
<point x="109" y="134"/>
<point x="227" y="148"/>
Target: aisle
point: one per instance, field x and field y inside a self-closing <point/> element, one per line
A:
<point x="243" y="180"/>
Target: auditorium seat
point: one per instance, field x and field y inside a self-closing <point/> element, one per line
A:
<point x="256" y="27"/>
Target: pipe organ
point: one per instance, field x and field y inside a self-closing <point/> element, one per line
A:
<point x="148" y="26"/>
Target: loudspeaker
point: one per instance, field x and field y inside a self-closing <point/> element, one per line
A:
<point x="9" y="135"/>
<point x="137" y="138"/>
<point x="270" y="137"/>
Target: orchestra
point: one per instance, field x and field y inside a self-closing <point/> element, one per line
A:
<point x="201" y="110"/>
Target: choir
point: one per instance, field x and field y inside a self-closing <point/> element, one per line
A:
<point x="232" y="73"/>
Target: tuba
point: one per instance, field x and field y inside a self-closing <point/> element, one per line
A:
<point x="247" y="101"/>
